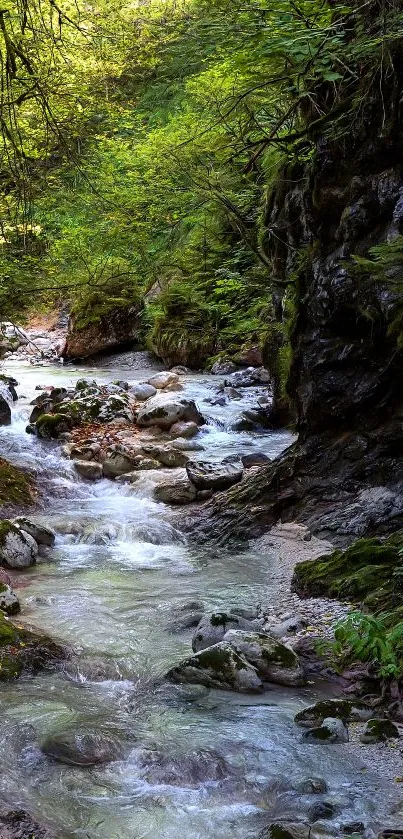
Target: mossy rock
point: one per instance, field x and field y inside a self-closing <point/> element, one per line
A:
<point x="219" y="666"/>
<point x="346" y="710"/>
<point x="377" y="731"/>
<point x="16" y="487"/>
<point x="369" y="572"/>
<point x="24" y="651"/>
<point x="49" y="426"/>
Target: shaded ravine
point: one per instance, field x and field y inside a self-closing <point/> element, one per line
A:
<point x="194" y="763"/>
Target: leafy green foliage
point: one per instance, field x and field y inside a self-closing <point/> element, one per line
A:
<point x="361" y="637"/>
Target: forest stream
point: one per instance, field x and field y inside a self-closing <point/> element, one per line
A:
<point x="192" y="762"/>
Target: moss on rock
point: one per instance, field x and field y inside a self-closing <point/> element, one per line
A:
<point x="24" y="651"/>
<point x="16" y="487"/>
<point x="369" y="572"/>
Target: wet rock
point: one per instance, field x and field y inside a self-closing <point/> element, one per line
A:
<point x="188" y="770"/>
<point x="164" y="410"/>
<point x="9" y="603"/>
<point x="22" y="650"/>
<point x="286" y="830"/>
<point x="393" y="832"/>
<point x="117" y="463"/>
<point x="350" y="828"/>
<point x="142" y="391"/>
<point x="42" y="535"/>
<point x="215" y="476"/>
<point x="185" y="430"/>
<point x="187" y="445"/>
<point x="223" y="368"/>
<point x="219" y="666"/>
<point x="17" y="824"/>
<point x="90" y="470"/>
<point x="331" y="731"/>
<point x="88" y="748"/>
<point x="164" y="379"/>
<point x="273" y="661"/>
<point x="4" y="577"/>
<point x="231" y="393"/>
<point x="213" y="627"/>
<point x="17" y="548"/>
<point x="50" y="426"/>
<point x="312" y="786"/>
<point x="377" y="731"/>
<point x="255" y="459"/>
<point x="347" y="710"/>
<point x="320" y="810"/>
<point x="248" y="378"/>
<point x="167" y="456"/>
<point x="186" y="621"/>
<point x="177" y="491"/>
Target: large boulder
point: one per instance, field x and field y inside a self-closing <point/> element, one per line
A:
<point x="177" y="491"/>
<point x="213" y="627"/>
<point x="164" y="410"/>
<point x="17" y="548"/>
<point x="185" y="430"/>
<point x="273" y="661"/>
<point x="42" y="535"/>
<point x="88" y="748"/>
<point x="377" y="731"/>
<point x="50" y="426"/>
<point x="219" y="666"/>
<point x="116" y="328"/>
<point x="214" y="476"/>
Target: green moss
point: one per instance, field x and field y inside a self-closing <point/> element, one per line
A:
<point x="16" y="486"/>
<point x="369" y="572"/>
<point x="48" y="425"/>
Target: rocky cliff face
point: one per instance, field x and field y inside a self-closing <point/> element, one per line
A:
<point x="344" y="476"/>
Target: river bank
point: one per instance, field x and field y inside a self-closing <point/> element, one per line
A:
<point x="204" y="762"/>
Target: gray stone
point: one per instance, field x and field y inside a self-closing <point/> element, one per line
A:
<point x="42" y="535"/>
<point x="9" y="602"/>
<point x="142" y="391"/>
<point x="255" y="459"/>
<point x="312" y="786"/>
<point x="117" y="463"/>
<point x="184" y="429"/>
<point x="183" y="445"/>
<point x="17" y="548"/>
<point x="287" y="627"/>
<point x="164" y="379"/>
<point x="177" y="491"/>
<point x="223" y="368"/>
<point x="82" y="748"/>
<point x="219" y="666"/>
<point x="167" y="456"/>
<point x="212" y="628"/>
<point x="215" y="476"/>
<point x="89" y="469"/>
<point x="273" y="661"/>
<point x="331" y="731"/>
<point x="164" y="410"/>
<point x="250" y="377"/>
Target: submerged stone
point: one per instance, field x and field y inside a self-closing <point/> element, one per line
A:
<point x="87" y="748"/>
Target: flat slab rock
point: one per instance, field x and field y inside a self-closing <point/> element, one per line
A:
<point x="214" y="476"/>
<point x="220" y="666"/>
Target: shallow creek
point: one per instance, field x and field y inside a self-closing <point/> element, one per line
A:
<point x="120" y="571"/>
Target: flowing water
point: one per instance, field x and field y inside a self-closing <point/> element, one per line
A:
<point x="194" y="763"/>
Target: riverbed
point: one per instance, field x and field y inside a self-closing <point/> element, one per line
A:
<point x="195" y="763"/>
